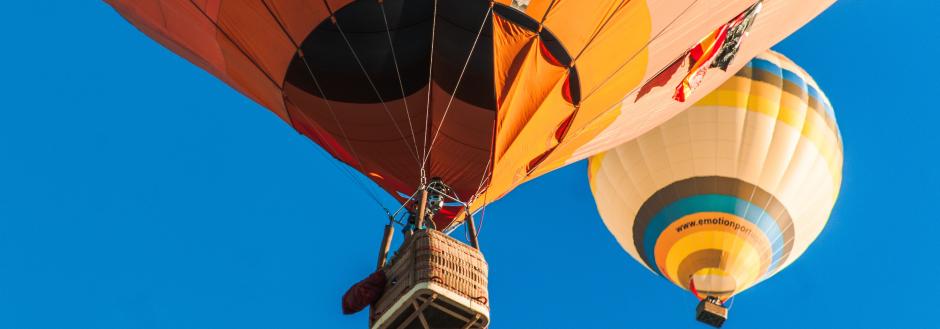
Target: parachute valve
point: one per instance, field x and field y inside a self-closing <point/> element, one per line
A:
<point x="711" y="312"/>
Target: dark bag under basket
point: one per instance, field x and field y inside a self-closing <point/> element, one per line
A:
<point x="434" y="282"/>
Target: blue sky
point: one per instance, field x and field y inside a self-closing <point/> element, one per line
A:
<point x="136" y="191"/>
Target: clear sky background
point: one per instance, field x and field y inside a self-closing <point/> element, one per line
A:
<point x="137" y="191"/>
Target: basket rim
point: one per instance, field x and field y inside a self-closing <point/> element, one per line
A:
<point x="443" y="292"/>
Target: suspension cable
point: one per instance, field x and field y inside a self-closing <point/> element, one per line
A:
<point x="600" y="29"/>
<point x="637" y="53"/>
<point x="487" y="173"/>
<point x="352" y="149"/>
<point x="634" y="90"/>
<point x="297" y="48"/>
<point x="374" y="88"/>
<point x="551" y="6"/>
<point x="590" y="41"/>
<point x="401" y="84"/>
<point x="656" y="37"/>
<point x="403" y="204"/>
<point x="353" y="178"/>
<point x="483" y="212"/>
<point x="457" y="86"/>
<point x="427" y="109"/>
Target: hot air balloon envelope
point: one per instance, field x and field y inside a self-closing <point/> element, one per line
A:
<point x="484" y="95"/>
<point x="732" y="190"/>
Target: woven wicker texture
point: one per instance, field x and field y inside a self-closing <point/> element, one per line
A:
<point x="432" y="256"/>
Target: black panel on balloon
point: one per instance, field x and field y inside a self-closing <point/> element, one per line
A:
<point x="335" y="65"/>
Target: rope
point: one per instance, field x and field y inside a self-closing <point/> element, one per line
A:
<point x="401" y="85"/>
<point x="352" y="177"/>
<point x="457" y="86"/>
<point x="342" y="130"/>
<point x="598" y="32"/>
<point x="344" y="169"/>
<point x="403" y="204"/>
<point x="547" y="10"/>
<point x="487" y="173"/>
<point x="374" y="88"/>
<point x="427" y="110"/>
<point x="483" y="213"/>
<point x="280" y="24"/>
<point x="632" y="57"/>
<point x="659" y="34"/>
<point x="290" y="118"/>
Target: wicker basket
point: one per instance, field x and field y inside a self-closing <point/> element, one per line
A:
<point x="709" y="311"/>
<point x="434" y="281"/>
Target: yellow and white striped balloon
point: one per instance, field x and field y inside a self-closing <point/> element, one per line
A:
<point x="732" y="190"/>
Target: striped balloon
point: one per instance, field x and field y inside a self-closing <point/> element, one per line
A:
<point x="732" y="190"/>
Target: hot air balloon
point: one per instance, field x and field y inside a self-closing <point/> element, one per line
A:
<point x="447" y="105"/>
<point x="730" y="191"/>
<point x="519" y="87"/>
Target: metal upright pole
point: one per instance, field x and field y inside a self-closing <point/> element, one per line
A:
<point x="472" y="228"/>
<point x="386" y="244"/>
<point x="422" y="208"/>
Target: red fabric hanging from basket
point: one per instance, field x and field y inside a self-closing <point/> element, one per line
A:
<point x="364" y="293"/>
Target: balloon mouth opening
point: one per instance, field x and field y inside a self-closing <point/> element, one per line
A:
<point x="714" y="282"/>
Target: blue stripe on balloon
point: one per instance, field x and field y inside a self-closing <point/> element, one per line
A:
<point x="713" y="203"/>
<point x="791" y="76"/>
<point x="765" y="65"/>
